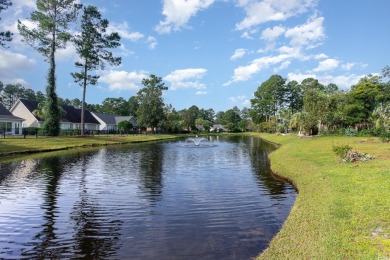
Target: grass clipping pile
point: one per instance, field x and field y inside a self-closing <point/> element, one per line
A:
<point x="347" y="154"/>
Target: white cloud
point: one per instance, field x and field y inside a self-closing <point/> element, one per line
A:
<point x="262" y="11"/>
<point x="343" y="81"/>
<point x="178" y="12"/>
<point x="328" y="64"/>
<point x="320" y="56"/>
<point x="270" y="34"/>
<point x="18" y="6"/>
<point x="241" y="100"/>
<point x="66" y="54"/>
<point x="299" y="76"/>
<point x="308" y="34"/>
<point x="124" y="31"/>
<point x="284" y="65"/>
<point x="11" y="63"/>
<point x="200" y="93"/>
<point x="123" y="80"/>
<point x="244" y="73"/>
<point x="152" y="42"/>
<point x="186" y="78"/>
<point x="239" y="53"/>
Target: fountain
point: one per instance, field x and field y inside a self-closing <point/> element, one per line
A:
<point x="196" y="142"/>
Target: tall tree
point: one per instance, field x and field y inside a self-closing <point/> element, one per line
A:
<point x="151" y="104"/>
<point x="7" y="35"/>
<point x="52" y="19"/>
<point x="10" y="93"/>
<point x="189" y="117"/>
<point x="133" y="106"/>
<point x="92" y="46"/>
<point x="269" y="97"/>
<point x="115" y="106"/>
<point x="293" y="97"/>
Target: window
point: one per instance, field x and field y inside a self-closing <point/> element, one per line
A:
<point x="7" y="126"/>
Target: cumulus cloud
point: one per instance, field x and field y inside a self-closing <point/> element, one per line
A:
<point x="239" y="53"/>
<point x="201" y="92"/>
<point x="178" y="12"/>
<point x="186" y="78"/>
<point x="152" y="42"/>
<point x="270" y="34"/>
<point x="328" y="64"/>
<point x="240" y="100"/>
<point x="11" y="63"/>
<point x="124" y="31"/>
<point x="262" y="11"/>
<point x="308" y="34"/>
<point x="244" y="73"/>
<point x="343" y="81"/>
<point x="119" y="80"/>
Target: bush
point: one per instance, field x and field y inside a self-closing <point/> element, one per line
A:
<point x="341" y="150"/>
<point x="346" y="154"/>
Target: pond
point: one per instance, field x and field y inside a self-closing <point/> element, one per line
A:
<point x="161" y="200"/>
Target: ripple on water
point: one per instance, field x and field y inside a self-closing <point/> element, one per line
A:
<point x="159" y="200"/>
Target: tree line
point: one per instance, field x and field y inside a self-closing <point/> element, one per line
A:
<point x="311" y="107"/>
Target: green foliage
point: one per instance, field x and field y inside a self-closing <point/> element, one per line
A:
<point x="125" y="126"/>
<point x="92" y="46"/>
<point x="151" y="105"/>
<point x="268" y="127"/>
<point x="269" y="97"/>
<point x="341" y="150"/>
<point x="51" y="18"/>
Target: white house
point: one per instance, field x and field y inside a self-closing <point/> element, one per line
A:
<point x="24" y="109"/>
<point x="110" y="122"/>
<point x="9" y="124"/>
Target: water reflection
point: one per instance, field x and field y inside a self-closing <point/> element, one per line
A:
<point x="151" y="170"/>
<point x="156" y="200"/>
<point x="95" y="233"/>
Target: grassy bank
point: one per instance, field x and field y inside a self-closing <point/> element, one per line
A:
<point x="18" y="145"/>
<point x="343" y="209"/>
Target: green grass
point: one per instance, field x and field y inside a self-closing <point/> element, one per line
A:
<point x="343" y="209"/>
<point x="18" y="145"/>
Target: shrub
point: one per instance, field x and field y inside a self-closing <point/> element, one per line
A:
<point x="341" y="150"/>
<point x="346" y="154"/>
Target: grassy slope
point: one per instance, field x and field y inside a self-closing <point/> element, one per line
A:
<point x="343" y="209"/>
<point x="18" y="145"/>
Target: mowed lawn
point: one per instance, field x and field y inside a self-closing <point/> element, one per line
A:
<point x="18" y="145"/>
<point x="343" y="209"/>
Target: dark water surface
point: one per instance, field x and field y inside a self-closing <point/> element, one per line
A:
<point x="145" y="201"/>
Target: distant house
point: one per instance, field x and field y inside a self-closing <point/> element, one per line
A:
<point x="110" y="122"/>
<point x="9" y="124"/>
<point x="218" y="128"/>
<point x="24" y="108"/>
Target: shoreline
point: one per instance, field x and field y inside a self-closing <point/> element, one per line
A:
<point x="340" y="206"/>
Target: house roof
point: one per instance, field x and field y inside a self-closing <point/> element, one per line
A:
<point x="106" y="118"/>
<point x="123" y="118"/>
<point x="73" y="115"/>
<point x="6" y="114"/>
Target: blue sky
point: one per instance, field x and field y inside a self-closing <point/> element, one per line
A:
<point x="215" y="53"/>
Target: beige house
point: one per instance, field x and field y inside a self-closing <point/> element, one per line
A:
<point x="9" y="124"/>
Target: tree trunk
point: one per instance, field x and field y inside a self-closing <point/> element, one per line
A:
<point x="83" y="103"/>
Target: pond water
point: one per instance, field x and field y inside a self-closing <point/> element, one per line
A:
<point x="146" y="201"/>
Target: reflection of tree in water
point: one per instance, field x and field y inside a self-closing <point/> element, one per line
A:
<point x="95" y="234"/>
<point x="151" y="167"/>
<point x="259" y="151"/>
<point x="46" y="247"/>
